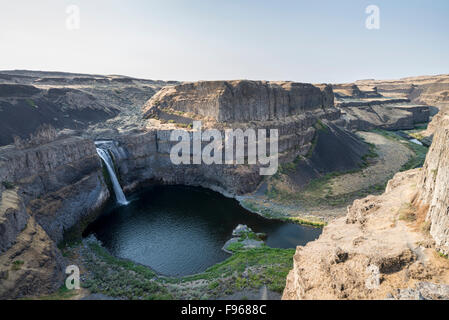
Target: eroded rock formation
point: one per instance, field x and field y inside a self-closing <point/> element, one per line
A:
<point x="434" y="186"/>
<point x="382" y="245"/>
<point x="45" y="191"/>
<point x="367" y="109"/>
<point x="242" y="100"/>
<point x="29" y="99"/>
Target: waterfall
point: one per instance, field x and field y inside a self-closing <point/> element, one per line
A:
<point x="104" y="154"/>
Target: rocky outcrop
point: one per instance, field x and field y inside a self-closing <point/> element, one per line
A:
<point x="147" y="157"/>
<point x="382" y="113"/>
<point x="45" y="191"/>
<point x="434" y="186"/>
<point x="428" y="90"/>
<point x="242" y="100"/>
<point x="352" y="90"/>
<point x="366" y="255"/>
<point x="32" y="266"/>
<point x="381" y="249"/>
<point x="243" y="238"/>
<point x="13" y="218"/>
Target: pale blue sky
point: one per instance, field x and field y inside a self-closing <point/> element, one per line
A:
<point x="309" y="41"/>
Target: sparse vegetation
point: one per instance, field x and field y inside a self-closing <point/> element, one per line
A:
<point x="31" y="103"/>
<point x="420" y="151"/>
<point x="407" y="212"/>
<point x="245" y="269"/>
<point x="435" y="173"/>
<point x="44" y="134"/>
<point x="8" y="185"/>
<point x="17" y="265"/>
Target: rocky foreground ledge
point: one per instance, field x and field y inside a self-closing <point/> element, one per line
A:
<point x="390" y="246"/>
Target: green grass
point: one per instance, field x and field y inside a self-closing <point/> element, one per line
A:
<point x="306" y="222"/>
<point x="245" y="269"/>
<point x="318" y="191"/>
<point x="17" y="265"/>
<point x="8" y="185"/>
<point x="31" y="103"/>
<point x="234" y="247"/>
<point x="274" y="266"/>
<point x="121" y="278"/>
<point x="62" y="294"/>
<point x="273" y="214"/>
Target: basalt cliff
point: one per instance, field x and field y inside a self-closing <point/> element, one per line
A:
<point x="392" y="246"/>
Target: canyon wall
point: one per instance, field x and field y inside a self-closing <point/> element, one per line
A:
<point x="383" y="247"/>
<point x="45" y="191"/>
<point x="429" y="90"/>
<point x="294" y="109"/>
<point x="242" y="100"/>
<point x="434" y="186"/>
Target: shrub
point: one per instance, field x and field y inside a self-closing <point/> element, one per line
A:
<point x="8" y="185"/>
<point x="44" y="134"/>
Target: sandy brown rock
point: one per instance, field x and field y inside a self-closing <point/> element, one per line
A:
<point x="368" y="254"/>
<point x="434" y="186"/>
<point x="375" y="251"/>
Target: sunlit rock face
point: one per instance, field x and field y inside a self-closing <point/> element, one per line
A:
<point x="242" y="100"/>
<point x="434" y="186"/>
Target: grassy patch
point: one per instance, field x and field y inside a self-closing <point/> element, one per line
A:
<point x="274" y="214"/>
<point x="62" y="294"/>
<point x="272" y="267"/>
<point x="407" y="212"/>
<point x="306" y="222"/>
<point x="17" y="265"/>
<point x="121" y="278"/>
<point x="8" y="185"/>
<point x="31" y="102"/>
<point x="247" y="269"/>
<point x="435" y="173"/>
<point x="234" y="247"/>
<point x="419" y="151"/>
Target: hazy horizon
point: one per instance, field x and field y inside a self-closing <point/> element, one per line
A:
<point x="325" y="42"/>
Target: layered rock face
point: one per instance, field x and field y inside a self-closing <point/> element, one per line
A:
<point x="428" y="90"/>
<point x="242" y="100"/>
<point x="381" y="248"/>
<point x="352" y="90"/>
<point x="291" y="108"/>
<point x="367" y="109"/>
<point x="434" y="186"/>
<point x="45" y="191"/>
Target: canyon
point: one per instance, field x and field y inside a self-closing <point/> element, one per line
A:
<point x="58" y="185"/>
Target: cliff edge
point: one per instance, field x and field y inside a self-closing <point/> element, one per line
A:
<point x="390" y="246"/>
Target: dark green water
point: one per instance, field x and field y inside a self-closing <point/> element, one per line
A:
<point x="179" y="230"/>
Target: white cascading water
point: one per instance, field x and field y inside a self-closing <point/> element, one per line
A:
<point x="104" y="154"/>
